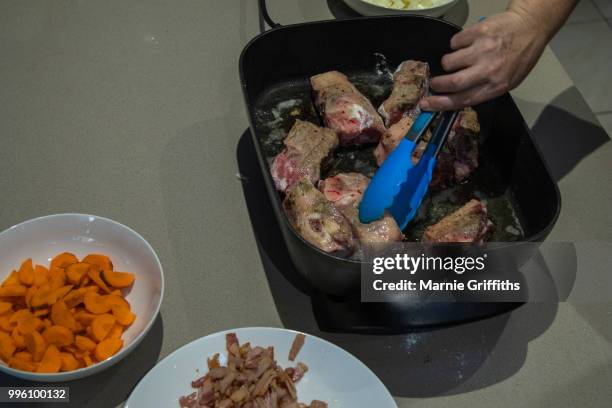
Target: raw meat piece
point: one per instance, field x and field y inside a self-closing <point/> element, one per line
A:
<point x="459" y="156"/>
<point x="345" y="110"/>
<point x="306" y="147"/>
<point x="345" y="190"/>
<point x="316" y="219"/>
<point x="392" y="137"/>
<point x="457" y="159"/>
<point x="468" y="224"/>
<point x="410" y="84"/>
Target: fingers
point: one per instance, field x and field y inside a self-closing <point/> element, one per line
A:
<point x="465" y="38"/>
<point x="459" y="59"/>
<point x="455" y="101"/>
<point x="459" y="81"/>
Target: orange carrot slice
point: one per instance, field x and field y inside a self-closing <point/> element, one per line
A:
<point x="13" y="279"/>
<point x="18" y="339"/>
<point x="51" y="361"/>
<point x="101" y="326"/>
<point x="118" y="279"/>
<point x="7" y="346"/>
<point x="26" y="272"/>
<point x="13" y="290"/>
<point x="84" y="343"/>
<point x="76" y="272"/>
<point x="96" y="303"/>
<point x="69" y="363"/>
<point x="123" y="315"/>
<point x="58" y="335"/>
<point x="41" y="275"/>
<point x="57" y="277"/>
<point x="63" y="260"/>
<point x="108" y="348"/>
<point x="115" y="332"/>
<point x="102" y="261"/>
<point x="19" y="364"/>
<point x="94" y="275"/>
<point x="26" y="321"/>
<point x="5" y="307"/>
<point x="61" y="315"/>
<point x="35" y="343"/>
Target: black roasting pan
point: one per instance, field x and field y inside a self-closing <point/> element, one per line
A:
<point x="277" y="65"/>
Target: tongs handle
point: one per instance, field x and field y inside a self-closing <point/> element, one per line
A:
<point x="442" y="131"/>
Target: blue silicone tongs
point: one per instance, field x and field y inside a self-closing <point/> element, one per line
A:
<point x="399" y="186"/>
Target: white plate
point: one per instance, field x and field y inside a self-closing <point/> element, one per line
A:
<point x="368" y="9"/>
<point x="334" y="376"/>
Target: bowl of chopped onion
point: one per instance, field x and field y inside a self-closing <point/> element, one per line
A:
<point x="434" y="8"/>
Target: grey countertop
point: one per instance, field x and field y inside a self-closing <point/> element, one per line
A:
<point x="135" y="108"/>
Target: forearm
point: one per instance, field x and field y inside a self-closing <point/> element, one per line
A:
<point x="547" y="16"/>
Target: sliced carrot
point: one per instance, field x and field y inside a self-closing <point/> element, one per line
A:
<point x="84" y="318"/>
<point x="28" y="295"/>
<point x="51" y="361"/>
<point x="57" y="277"/>
<point x="26" y="321"/>
<point x="69" y="363"/>
<point x="13" y="279"/>
<point x="118" y="279"/>
<point x="57" y="294"/>
<point x="123" y="315"/>
<point x="35" y="343"/>
<point x="96" y="303"/>
<point x="19" y="364"/>
<point x="41" y="312"/>
<point x="116" y="292"/>
<point x="12" y="290"/>
<point x="87" y="359"/>
<point x="108" y="348"/>
<point x="63" y="260"/>
<point x="101" y="326"/>
<point x="47" y="322"/>
<point x="41" y="275"/>
<point x="60" y="315"/>
<point x="94" y="275"/>
<point x="26" y="272"/>
<point x="7" y="346"/>
<point x="5" y="307"/>
<point x="76" y="272"/>
<point x="75" y="297"/>
<point x="41" y="297"/>
<point x="84" y="343"/>
<point x="6" y="324"/>
<point x="58" y="335"/>
<point x="23" y="355"/>
<point x="115" y="332"/>
<point x="102" y="261"/>
<point x="114" y="300"/>
<point x="18" y="339"/>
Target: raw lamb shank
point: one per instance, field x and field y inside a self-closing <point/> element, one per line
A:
<point x="345" y="190"/>
<point x="469" y="223"/>
<point x="306" y="147"/>
<point x="345" y="110"/>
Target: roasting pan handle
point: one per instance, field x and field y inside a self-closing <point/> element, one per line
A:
<point x="265" y="17"/>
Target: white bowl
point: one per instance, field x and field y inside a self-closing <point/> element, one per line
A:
<point x="368" y="9"/>
<point x="43" y="238"/>
<point x="334" y="375"/>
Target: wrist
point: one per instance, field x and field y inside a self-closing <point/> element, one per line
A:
<point x="538" y="27"/>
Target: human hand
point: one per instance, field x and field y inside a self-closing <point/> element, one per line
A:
<point x="489" y="59"/>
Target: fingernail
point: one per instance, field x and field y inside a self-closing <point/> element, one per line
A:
<point x="424" y="105"/>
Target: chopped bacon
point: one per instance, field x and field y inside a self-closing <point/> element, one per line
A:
<point x="298" y="342"/>
<point x="251" y="379"/>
